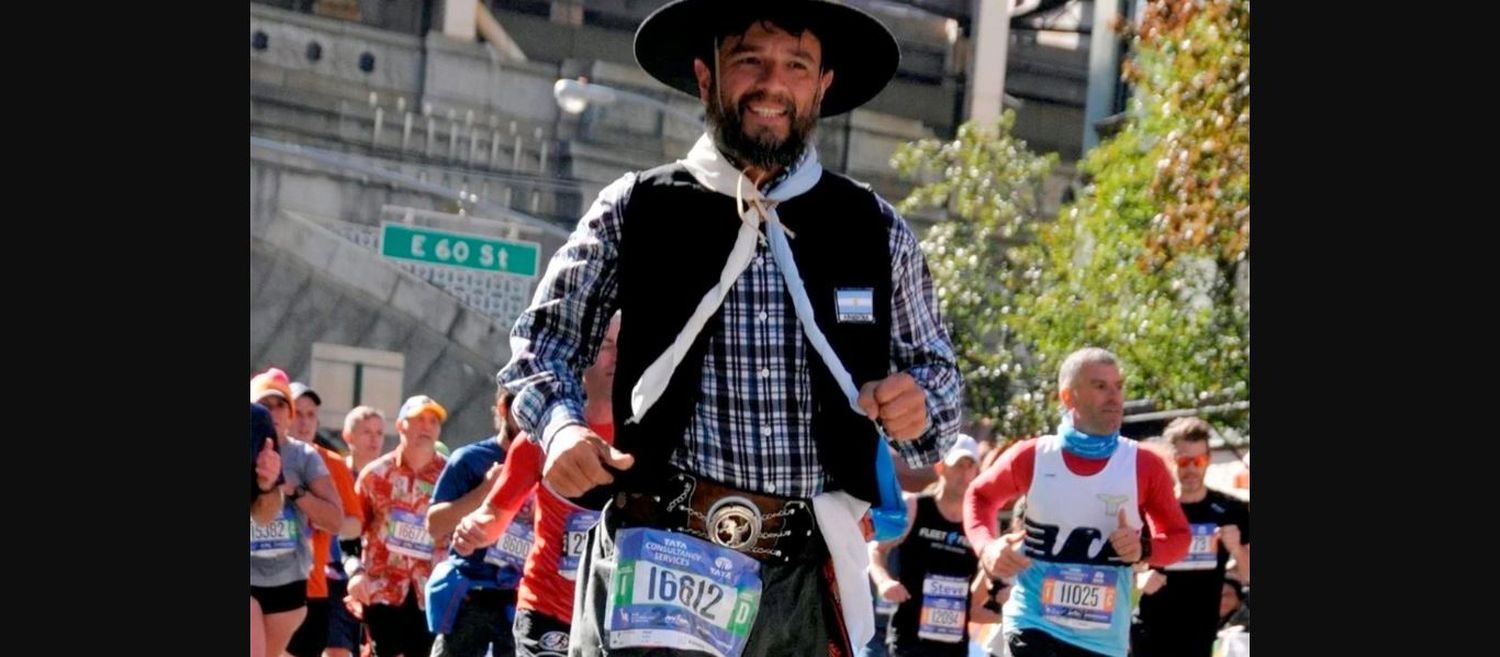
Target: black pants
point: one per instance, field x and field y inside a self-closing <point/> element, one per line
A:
<point x="483" y="621"/>
<point x="328" y="625"/>
<point x="1036" y="643"/>
<point x="398" y="630"/>
<point x="312" y="636"/>
<point x="798" y="612"/>
<point x="344" y="630"/>
<point x="1170" y="641"/>
<point x="540" y="635"/>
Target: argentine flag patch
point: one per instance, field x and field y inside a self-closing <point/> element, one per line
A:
<point x="856" y="305"/>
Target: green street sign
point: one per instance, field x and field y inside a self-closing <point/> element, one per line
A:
<point x="440" y="247"/>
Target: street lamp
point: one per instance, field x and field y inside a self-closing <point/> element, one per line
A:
<point x="574" y="96"/>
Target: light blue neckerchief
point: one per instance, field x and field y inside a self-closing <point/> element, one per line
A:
<point x="1086" y="445"/>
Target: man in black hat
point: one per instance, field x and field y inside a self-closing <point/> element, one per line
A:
<point x="783" y="330"/>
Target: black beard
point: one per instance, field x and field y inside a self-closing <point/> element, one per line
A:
<point x="760" y="151"/>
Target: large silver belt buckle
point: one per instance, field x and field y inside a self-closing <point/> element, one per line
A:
<point x="734" y="522"/>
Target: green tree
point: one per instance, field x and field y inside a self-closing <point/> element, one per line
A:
<point x="1150" y="262"/>
<point x="990" y="183"/>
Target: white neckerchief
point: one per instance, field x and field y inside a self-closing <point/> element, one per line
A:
<point x="838" y="513"/>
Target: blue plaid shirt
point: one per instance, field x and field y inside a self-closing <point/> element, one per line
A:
<point x="744" y="432"/>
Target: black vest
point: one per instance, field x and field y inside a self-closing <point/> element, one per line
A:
<point x="675" y="238"/>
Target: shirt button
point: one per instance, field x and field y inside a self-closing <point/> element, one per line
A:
<point x="765" y="431"/>
<point x="770" y="488"/>
<point x="760" y="261"/>
<point x="763" y="315"/>
<point x="765" y="373"/>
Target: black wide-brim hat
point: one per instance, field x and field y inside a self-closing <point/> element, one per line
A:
<point x="859" y="49"/>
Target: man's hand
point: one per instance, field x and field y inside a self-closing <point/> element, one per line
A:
<point x="898" y="403"/>
<point x="267" y="466"/>
<point x="894" y="591"/>
<point x="1150" y="581"/>
<point x="477" y="530"/>
<point x="1229" y="537"/>
<point x="1126" y="540"/>
<point x="576" y="460"/>
<point x="358" y="596"/>
<point x="1003" y="558"/>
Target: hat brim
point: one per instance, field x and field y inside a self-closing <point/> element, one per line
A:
<point x="270" y="393"/>
<point x="953" y="457"/>
<point x="441" y="412"/>
<point x="860" y="51"/>
<point x="300" y="390"/>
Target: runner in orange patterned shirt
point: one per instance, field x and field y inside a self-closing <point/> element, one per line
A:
<point x="398" y="552"/>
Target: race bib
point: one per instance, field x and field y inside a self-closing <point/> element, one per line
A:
<point x="575" y="539"/>
<point x="1078" y="596"/>
<point x="1203" y="549"/>
<point x="406" y="535"/>
<point x="515" y="543"/>
<point x="680" y="592"/>
<point x="277" y="538"/>
<point x="944" y="608"/>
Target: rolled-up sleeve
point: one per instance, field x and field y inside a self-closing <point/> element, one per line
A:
<point x="920" y="345"/>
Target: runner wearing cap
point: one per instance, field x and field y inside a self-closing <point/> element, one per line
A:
<point x="398" y="553"/>
<point x="935" y="591"/>
<point x="328" y="626"/>
<point x="281" y="551"/>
